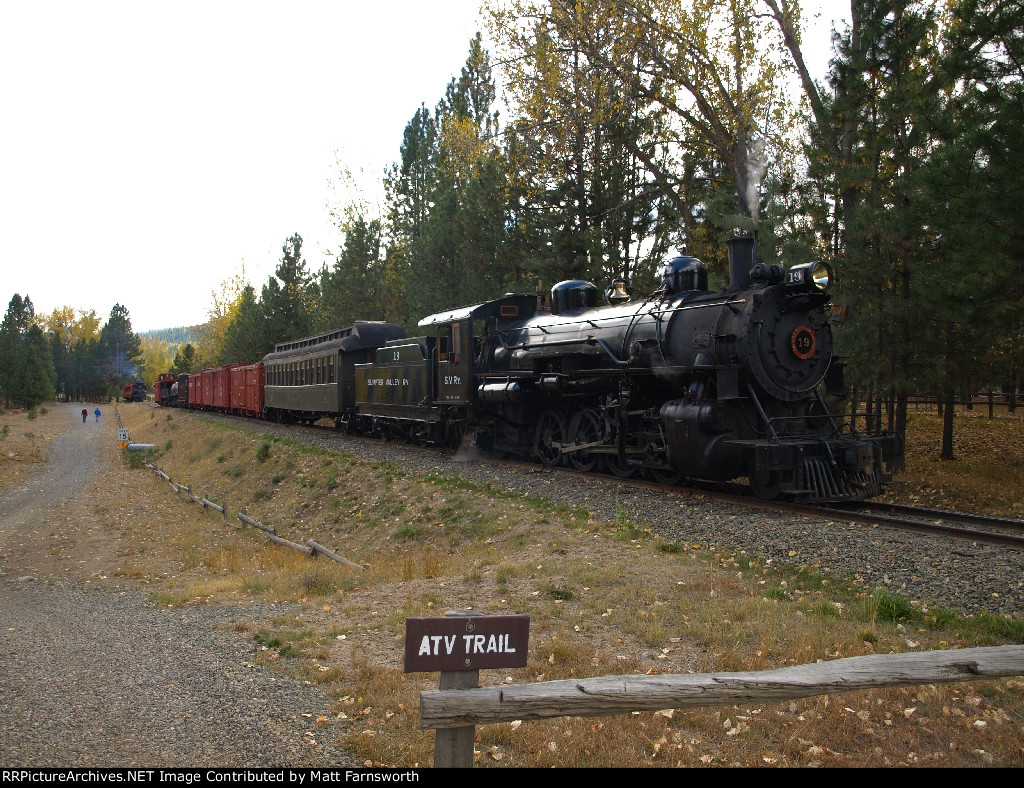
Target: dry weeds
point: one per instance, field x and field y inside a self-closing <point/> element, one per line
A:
<point x="603" y="598"/>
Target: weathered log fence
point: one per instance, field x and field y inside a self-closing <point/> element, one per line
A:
<point x="451" y="707"/>
<point x="312" y="548"/>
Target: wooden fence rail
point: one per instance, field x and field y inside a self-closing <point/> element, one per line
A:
<point x="607" y="695"/>
<point x="311" y="548"/>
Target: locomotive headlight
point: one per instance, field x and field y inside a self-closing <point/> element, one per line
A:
<point x="810" y="276"/>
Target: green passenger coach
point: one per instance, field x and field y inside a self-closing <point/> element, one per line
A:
<point x="313" y="378"/>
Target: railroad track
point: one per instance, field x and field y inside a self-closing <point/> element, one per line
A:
<point x="977" y="528"/>
<point x="980" y="529"/>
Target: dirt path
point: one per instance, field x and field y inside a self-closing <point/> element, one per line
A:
<point x="95" y="675"/>
<point x="47" y="511"/>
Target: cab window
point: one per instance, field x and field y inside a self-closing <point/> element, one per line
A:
<point x="442" y="344"/>
<point x="456" y="343"/>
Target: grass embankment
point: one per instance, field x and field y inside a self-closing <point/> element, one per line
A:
<point x="604" y="597"/>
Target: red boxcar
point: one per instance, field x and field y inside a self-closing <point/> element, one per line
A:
<point x="237" y="375"/>
<point x="195" y="390"/>
<point x="222" y="387"/>
<point x="205" y="401"/>
<point x="247" y="381"/>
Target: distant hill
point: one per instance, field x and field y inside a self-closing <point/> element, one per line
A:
<point x="173" y="336"/>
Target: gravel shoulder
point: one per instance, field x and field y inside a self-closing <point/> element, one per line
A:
<point x="96" y="675"/>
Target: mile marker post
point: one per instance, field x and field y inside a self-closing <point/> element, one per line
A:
<point x="459" y="645"/>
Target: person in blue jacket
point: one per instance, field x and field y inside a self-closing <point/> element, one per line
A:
<point x="97" y="414"/>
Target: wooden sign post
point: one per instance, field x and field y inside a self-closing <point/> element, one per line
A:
<point x="459" y="645"/>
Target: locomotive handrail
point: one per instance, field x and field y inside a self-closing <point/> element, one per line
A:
<point x="654" y="311"/>
<point x="611" y="354"/>
<point x="760" y="410"/>
<point x="734" y="302"/>
<point x="576" y="341"/>
<point x="831" y="420"/>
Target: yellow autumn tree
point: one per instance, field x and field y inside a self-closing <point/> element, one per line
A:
<point x="222" y="311"/>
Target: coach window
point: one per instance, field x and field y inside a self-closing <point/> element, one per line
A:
<point x="330" y="369"/>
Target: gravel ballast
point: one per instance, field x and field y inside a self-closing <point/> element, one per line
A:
<point x="964" y="576"/>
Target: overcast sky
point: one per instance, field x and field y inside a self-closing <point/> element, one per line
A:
<point x="149" y="150"/>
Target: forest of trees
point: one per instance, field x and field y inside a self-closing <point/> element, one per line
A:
<point x="637" y="129"/>
<point x="65" y="355"/>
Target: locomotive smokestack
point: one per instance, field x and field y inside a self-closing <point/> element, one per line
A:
<point x="742" y="251"/>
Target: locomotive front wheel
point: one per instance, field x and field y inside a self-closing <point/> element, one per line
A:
<point x="766" y="485"/>
<point x="454" y="434"/>
<point x="550" y="433"/>
<point x="585" y="427"/>
<point x="665" y="476"/>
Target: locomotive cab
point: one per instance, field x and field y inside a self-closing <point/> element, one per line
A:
<point x="454" y="362"/>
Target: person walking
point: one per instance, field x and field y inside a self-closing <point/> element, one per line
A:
<point x="97" y="412"/>
<point x="85" y="415"/>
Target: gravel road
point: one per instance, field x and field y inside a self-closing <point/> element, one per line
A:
<point x="93" y="677"/>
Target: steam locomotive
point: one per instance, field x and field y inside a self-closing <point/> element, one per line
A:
<point x="134" y="391"/>
<point x="685" y="383"/>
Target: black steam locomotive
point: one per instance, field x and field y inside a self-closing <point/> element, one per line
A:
<point x="685" y="383"/>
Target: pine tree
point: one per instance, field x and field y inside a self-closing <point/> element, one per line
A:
<point x="185" y="361"/>
<point x="245" y="340"/>
<point x="121" y="349"/>
<point x="13" y="330"/>
<point x="33" y="379"/>
<point x="288" y="299"/>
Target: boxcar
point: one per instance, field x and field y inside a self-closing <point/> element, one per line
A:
<point x="247" y="382"/>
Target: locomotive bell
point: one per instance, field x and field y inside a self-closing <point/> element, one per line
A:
<point x="618" y="293"/>
<point x="684" y="273"/>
